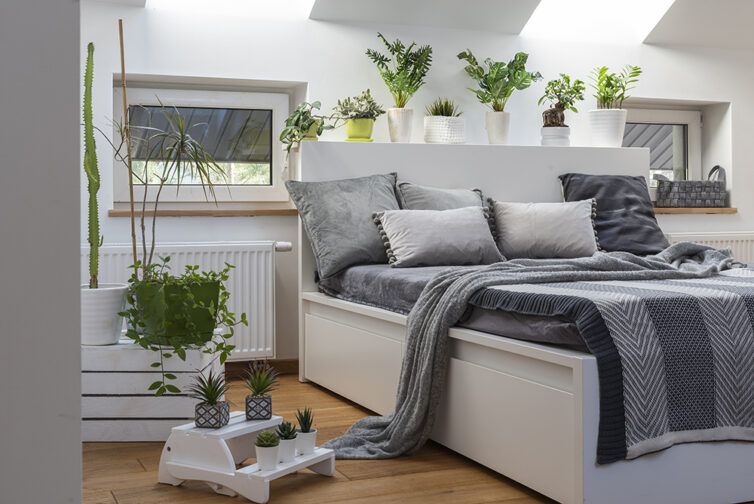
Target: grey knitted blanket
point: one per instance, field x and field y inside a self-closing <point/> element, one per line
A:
<point x="446" y="297"/>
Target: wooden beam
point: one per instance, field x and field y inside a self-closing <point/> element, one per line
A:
<point x="696" y="210"/>
<point x="220" y="212"/>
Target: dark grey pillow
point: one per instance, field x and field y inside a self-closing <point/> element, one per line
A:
<point x="625" y="219"/>
<point x="418" y="197"/>
<point x="337" y="216"/>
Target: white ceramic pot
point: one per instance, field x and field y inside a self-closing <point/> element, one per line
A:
<point x="400" y="121"/>
<point x="556" y="135"/>
<point x="267" y="457"/>
<point x="498" y="127"/>
<point x="287" y="451"/>
<point x="444" y="130"/>
<point x="306" y="441"/>
<point x="607" y="126"/>
<point x="100" y="322"/>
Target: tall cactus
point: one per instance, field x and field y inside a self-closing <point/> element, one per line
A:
<point x="92" y="172"/>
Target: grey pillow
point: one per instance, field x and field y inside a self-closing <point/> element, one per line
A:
<point x="417" y="197"/>
<point x="337" y="216"/>
<point x="625" y="219"/>
<point x="437" y="237"/>
<point x="545" y="230"/>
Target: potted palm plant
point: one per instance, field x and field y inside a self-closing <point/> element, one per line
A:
<point x="212" y="412"/>
<point x="403" y="72"/>
<point x="608" y="121"/>
<point x="497" y="81"/>
<point x="260" y="379"/>
<point x="286" y="432"/>
<point x="561" y="95"/>
<point x="303" y="125"/>
<point x="306" y="438"/>
<point x="267" y="450"/>
<point x="101" y="304"/>
<point x="359" y="114"/>
<point x="443" y="123"/>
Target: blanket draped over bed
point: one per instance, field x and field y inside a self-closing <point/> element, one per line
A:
<point x="673" y="341"/>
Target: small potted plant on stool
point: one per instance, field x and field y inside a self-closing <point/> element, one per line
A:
<point x="287" y="434"/>
<point x="307" y="437"/>
<point x="260" y="379"/>
<point x="266" y="448"/>
<point x="212" y="412"/>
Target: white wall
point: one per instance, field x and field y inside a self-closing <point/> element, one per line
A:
<point x="173" y="39"/>
<point x="39" y="221"/>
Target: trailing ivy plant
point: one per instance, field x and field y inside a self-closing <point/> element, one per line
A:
<point x="561" y="95"/>
<point x="497" y="80"/>
<point x="358" y="107"/>
<point x="298" y="123"/>
<point x="611" y="88"/>
<point x="443" y="107"/>
<point x="405" y="70"/>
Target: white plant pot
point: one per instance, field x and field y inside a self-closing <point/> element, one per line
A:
<point x="287" y="450"/>
<point x="100" y="322"/>
<point x="556" y="135"/>
<point x="400" y="121"/>
<point x="444" y="130"/>
<point x="607" y="126"/>
<point x="306" y="441"/>
<point x="267" y="457"/>
<point x="498" y="127"/>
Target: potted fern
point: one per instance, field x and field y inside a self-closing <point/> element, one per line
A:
<point x="286" y="432"/>
<point x="403" y="72"/>
<point x="306" y="438"/>
<point x="497" y="81"/>
<point x="443" y="123"/>
<point x="212" y="412"/>
<point x="267" y="450"/>
<point x="561" y="95"/>
<point x="608" y="121"/>
<point x="101" y="304"/>
<point x="359" y="114"/>
<point x="260" y="379"/>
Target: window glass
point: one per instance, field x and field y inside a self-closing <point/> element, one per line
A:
<point x="668" y="148"/>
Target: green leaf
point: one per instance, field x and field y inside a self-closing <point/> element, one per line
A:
<point x="155" y="364"/>
<point x="172" y="388"/>
<point x="170" y="376"/>
<point x="155" y="385"/>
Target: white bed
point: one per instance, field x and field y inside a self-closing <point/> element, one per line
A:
<point x="542" y="401"/>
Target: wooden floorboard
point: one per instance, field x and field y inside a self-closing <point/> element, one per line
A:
<point x="126" y="473"/>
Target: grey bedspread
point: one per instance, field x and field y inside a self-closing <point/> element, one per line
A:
<point x="445" y="299"/>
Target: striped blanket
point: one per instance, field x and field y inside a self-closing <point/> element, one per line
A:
<point x="675" y="357"/>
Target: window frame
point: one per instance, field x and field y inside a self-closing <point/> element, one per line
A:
<point x="277" y="102"/>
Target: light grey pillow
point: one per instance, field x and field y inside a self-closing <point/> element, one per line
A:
<point x="545" y="230"/>
<point x="337" y="216"/>
<point x="437" y="237"/>
<point x="417" y="197"/>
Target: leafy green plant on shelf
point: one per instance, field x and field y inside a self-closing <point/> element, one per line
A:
<point x="304" y="124"/>
<point x="208" y="390"/>
<point x="267" y="439"/>
<point x="286" y="430"/>
<point x="404" y="71"/>
<point x="305" y="420"/>
<point x="443" y="107"/>
<point x="561" y="95"/>
<point x="611" y="88"/>
<point x="362" y="106"/>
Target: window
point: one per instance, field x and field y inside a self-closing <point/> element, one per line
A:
<point x="236" y="128"/>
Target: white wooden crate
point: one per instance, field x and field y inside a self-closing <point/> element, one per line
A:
<point x="115" y="402"/>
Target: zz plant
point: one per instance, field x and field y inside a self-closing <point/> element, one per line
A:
<point x="404" y="71"/>
<point x="92" y="171"/>
<point x="561" y="95"/>
<point x="498" y="80"/>
<point x="358" y="107"/>
<point x="611" y="88"/>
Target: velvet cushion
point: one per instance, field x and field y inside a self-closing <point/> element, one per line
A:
<point x="417" y="197"/>
<point x="625" y="219"/>
<point x="337" y="216"/>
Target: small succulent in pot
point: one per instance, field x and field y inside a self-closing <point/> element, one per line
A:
<point x="261" y="379"/>
<point x="287" y="434"/>
<point x="307" y="437"/>
<point x="443" y="123"/>
<point x="266" y="447"/>
<point x="561" y="95"/>
<point x="212" y="412"/>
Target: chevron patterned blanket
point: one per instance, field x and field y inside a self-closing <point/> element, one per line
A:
<point x="675" y="357"/>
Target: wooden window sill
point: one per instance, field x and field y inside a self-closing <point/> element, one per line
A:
<point x="696" y="210"/>
<point x="219" y="212"/>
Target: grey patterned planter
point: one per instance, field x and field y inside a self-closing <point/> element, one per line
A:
<point x="258" y="408"/>
<point x="212" y="416"/>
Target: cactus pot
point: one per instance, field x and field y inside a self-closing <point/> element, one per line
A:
<point x="267" y="457"/>
<point x="258" y="407"/>
<point x="306" y="441"/>
<point x="100" y="322"/>
<point x="287" y="450"/>
<point x="400" y="122"/>
<point x="359" y="130"/>
<point x="212" y="416"/>
<point x="607" y="126"/>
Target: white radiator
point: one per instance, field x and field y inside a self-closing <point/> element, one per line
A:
<point x="251" y="283"/>
<point x="742" y="243"/>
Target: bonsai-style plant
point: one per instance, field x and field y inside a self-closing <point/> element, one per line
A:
<point x="561" y="95"/>
<point x="403" y="72"/>
<point x="307" y="437"/>
<point x="260" y="379"/>
<point x="266" y="447"/>
<point x="359" y="114"/>
<point x="287" y="434"/>
<point x="608" y="122"/>
<point x="304" y="124"/>
<point x="496" y="81"/>
<point x="443" y="123"/>
<point x="211" y="412"/>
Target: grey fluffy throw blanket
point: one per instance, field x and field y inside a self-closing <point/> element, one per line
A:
<point x="444" y="301"/>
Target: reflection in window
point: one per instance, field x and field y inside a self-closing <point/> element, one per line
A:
<point x="668" y="144"/>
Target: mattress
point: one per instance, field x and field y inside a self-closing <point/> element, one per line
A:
<point x="397" y="289"/>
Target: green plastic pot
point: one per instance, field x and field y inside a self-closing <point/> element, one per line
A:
<point x="311" y="133"/>
<point x="359" y="130"/>
<point x="164" y="320"/>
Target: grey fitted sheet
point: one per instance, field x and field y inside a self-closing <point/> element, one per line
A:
<point x="397" y="289"/>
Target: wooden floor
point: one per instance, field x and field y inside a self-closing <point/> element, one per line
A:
<point x="126" y="473"/>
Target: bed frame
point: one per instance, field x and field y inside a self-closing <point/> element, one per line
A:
<point x="542" y="401"/>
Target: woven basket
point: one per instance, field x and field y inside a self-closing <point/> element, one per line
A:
<point x="710" y="193"/>
<point x="445" y="130"/>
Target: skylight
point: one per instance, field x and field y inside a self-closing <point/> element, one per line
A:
<point x="259" y="9"/>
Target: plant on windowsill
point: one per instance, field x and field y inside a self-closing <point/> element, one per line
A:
<point x="443" y="123"/>
<point x="403" y="72"/>
<point x="359" y="114"/>
<point x="260" y="379"/>
<point x="497" y="81"/>
<point x="561" y="95"/>
<point x="287" y="434"/>
<point x="304" y="125"/>
<point x="211" y="412"/>
<point x="608" y="121"/>
<point x="267" y="450"/>
<point x="306" y="438"/>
